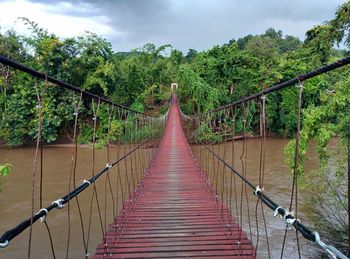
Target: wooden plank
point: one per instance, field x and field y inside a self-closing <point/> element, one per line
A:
<point x="174" y="213"/>
<point x="170" y="249"/>
<point x="114" y="243"/>
<point x="219" y="253"/>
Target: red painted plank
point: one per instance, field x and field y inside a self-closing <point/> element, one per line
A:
<point x="113" y="244"/>
<point x="173" y="213"/>
<point x="189" y="247"/>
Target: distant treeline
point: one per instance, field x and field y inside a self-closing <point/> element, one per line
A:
<point x="141" y="78"/>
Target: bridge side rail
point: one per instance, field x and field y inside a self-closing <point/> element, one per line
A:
<point x="208" y="129"/>
<point x="135" y="145"/>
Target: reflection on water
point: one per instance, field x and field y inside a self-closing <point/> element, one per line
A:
<point x="15" y="198"/>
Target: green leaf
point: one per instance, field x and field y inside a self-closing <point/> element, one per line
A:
<point x="5" y="169"/>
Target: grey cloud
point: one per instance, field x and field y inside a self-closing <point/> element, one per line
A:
<point x="201" y="24"/>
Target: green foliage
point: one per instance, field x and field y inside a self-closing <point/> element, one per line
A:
<point x="109" y="128"/>
<point x="331" y="208"/>
<point x="322" y="121"/>
<point x="138" y="78"/>
<point x="141" y="79"/>
<point x="5" y="169"/>
<point x="133" y="132"/>
<point x="198" y="94"/>
<point x="87" y="61"/>
<point x="164" y="110"/>
<point x="340" y="24"/>
<point x="138" y="106"/>
<point x="205" y="134"/>
<point x="85" y="134"/>
<point x="318" y="41"/>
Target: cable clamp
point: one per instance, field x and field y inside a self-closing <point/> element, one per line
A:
<point x="4" y="244"/>
<point x="75" y="113"/>
<point x="258" y="190"/>
<point x="331" y="251"/>
<point x="109" y="165"/>
<point x="58" y="203"/>
<point x="86" y="181"/>
<point x="42" y="218"/>
<point x="289" y="222"/>
<point x="289" y="219"/>
<point x="263" y="97"/>
<point x="300" y="85"/>
<point x="39" y="106"/>
<point x="94" y="118"/>
<point x="276" y="212"/>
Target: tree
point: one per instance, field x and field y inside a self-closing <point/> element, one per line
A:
<point x="318" y="42"/>
<point x="198" y="95"/>
<point x="340" y="24"/>
<point x="191" y="55"/>
<point x="242" y="42"/>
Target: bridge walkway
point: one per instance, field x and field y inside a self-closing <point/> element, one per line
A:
<point x="174" y="213"/>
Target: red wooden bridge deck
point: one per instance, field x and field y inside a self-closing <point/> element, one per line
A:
<point x="175" y="213"/>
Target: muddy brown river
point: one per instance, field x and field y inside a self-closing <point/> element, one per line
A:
<point x="15" y="197"/>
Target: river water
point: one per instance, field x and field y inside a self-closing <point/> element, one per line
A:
<point x="15" y="197"/>
<point x="277" y="185"/>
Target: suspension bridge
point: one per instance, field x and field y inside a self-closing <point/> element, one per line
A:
<point x="175" y="199"/>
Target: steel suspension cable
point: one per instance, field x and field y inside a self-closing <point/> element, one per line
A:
<point x="43" y="76"/>
<point x="38" y="141"/>
<point x="217" y="123"/>
<point x="294" y="191"/>
<point x="132" y="172"/>
<point x="107" y="180"/>
<point x="279" y="86"/>
<point x="296" y="162"/>
<point x="260" y="179"/>
<point x="279" y="210"/>
<point x="75" y="114"/>
<point x="42" y="171"/>
<point x="119" y="181"/>
<point x="126" y="169"/>
<point x="233" y="176"/>
<point x="94" y="190"/>
<point x="76" y="107"/>
<point x="262" y="164"/>
<point x="290" y="219"/>
<point x="223" y="166"/>
<point x="245" y="168"/>
<point x="59" y="203"/>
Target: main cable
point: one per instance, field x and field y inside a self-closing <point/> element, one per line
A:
<point x="43" y="76"/>
<point x="291" y="82"/>
<point x="59" y="203"/>
<point x="288" y="217"/>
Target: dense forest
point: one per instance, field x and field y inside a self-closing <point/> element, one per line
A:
<point x="141" y="79"/>
<point x="207" y="79"/>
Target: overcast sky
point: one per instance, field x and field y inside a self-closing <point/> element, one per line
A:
<point x="198" y="24"/>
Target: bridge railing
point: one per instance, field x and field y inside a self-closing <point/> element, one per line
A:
<point x="227" y="141"/>
<point x="123" y="139"/>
